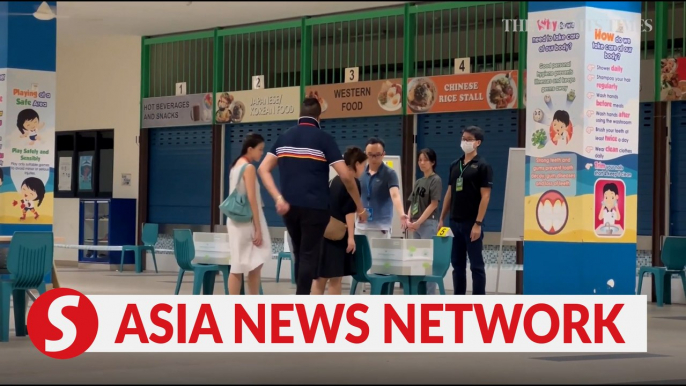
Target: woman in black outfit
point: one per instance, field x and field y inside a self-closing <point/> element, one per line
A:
<point x="337" y="257"/>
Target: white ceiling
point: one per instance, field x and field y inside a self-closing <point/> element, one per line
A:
<point x="145" y="18"/>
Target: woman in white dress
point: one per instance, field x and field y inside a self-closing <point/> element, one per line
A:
<point x="249" y="242"/>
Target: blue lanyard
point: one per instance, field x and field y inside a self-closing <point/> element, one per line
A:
<point x="369" y="186"/>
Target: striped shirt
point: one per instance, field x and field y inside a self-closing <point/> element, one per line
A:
<point x="304" y="154"/>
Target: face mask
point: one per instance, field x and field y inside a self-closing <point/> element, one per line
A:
<point x="467" y="147"/>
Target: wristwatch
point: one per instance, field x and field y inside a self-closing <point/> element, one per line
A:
<point x="479" y="223"/>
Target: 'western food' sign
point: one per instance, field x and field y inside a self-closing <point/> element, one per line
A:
<point x="361" y="99"/>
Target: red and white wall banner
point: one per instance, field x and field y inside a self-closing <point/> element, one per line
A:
<point x="64" y="323"/>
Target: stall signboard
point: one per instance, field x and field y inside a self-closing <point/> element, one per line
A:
<point x="183" y="110"/>
<point x="464" y="92"/>
<point x="262" y="105"/>
<point x="673" y="79"/>
<point x="360" y="99"/>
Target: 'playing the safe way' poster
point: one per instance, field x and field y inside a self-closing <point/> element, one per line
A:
<point x="27" y="146"/>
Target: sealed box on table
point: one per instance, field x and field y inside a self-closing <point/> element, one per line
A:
<point x="211" y="248"/>
<point x="402" y="256"/>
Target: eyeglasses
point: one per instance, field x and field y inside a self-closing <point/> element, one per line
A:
<point x="469" y="139"/>
<point x="374" y="155"/>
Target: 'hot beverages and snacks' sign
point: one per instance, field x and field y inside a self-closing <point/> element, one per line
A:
<point x="264" y="105"/>
<point x="184" y="110"/>
<point x="359" y="99"/>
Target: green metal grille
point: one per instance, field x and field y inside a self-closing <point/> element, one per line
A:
<point x="372" y="41"/>
<point x="426" y="37"/>
<point x="676" y="28"/>
<point x="475" y="30"/>
<point x="174" y="59"/>
<point x="269" y="50"/>
<point x="647" y="33"/>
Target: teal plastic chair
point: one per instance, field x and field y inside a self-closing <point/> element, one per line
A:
<point x="674" y="260"/>
<point x="285" y="255"/>
<point x="184" y="251"/>
<point x="150" y="232"/>
<point x="443" y="247"/>
<point x="381" y="284"/>
<point x="29" y="261"/>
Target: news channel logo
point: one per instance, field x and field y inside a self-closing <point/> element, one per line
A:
<point x="615" y="25"/>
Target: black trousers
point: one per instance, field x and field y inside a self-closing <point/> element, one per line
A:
<point x="306" y="227"/>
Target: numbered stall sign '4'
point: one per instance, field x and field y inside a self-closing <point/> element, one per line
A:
<point x="462" y="65"/>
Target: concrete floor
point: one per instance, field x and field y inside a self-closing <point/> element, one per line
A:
<point x="20" y="362"/>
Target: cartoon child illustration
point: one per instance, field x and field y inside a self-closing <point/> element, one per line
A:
<point x="561" y="122"/>
<point x="609" y="212"/>
<point x="223" y="113"/>
<point x="33" y="190"/>
<point x="28" y="124"/>
<point x="85" y="181"/>
<point x="85" y="172"/>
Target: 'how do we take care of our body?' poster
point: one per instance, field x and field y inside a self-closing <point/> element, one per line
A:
<point x="582" y="126"/>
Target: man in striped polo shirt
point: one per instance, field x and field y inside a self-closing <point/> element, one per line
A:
<point x="303" y="154"/>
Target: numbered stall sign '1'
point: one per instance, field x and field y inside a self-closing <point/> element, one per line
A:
<point x="181" y="89"/>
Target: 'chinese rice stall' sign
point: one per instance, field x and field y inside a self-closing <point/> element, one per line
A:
<point x="468" y="92"/>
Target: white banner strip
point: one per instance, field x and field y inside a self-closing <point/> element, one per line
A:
<point x="370" y="324"/>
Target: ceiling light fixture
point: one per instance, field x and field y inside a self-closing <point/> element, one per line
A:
<point x="44" y="12"/>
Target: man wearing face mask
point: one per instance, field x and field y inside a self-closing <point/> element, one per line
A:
<point x="469" y="191"/>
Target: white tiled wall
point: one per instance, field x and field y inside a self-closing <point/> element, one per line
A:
<point x="98" y="87"/>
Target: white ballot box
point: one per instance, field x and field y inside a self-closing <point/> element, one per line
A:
<point x="211" y="248"/>
<point x="407" y="257"/>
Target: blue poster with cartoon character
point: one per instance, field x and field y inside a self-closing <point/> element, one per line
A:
<point x="85" y="173"/>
